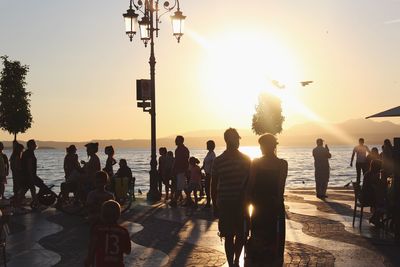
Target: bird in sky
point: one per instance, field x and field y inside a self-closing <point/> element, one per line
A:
<point x="305" y="83"/>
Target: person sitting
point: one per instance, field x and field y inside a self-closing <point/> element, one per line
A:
<point x="108" y="240"/>
<point x="97" y="197"/>
<point x="373" y="192"/>
<point x="124" y="172"/>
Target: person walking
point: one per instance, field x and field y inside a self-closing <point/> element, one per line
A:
<point x="4" y="169"/>
<point x="229" y="176"/>
<point x="321" y="156"/>
<point x="265" y="191"/>
<point x="207" y="167"/>
<point x="361" y="158"/>
<point x="29" y="171"/>
<point x="181" y="165"/>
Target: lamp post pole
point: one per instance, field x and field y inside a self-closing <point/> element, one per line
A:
<point x="154" y="194"/>
<point x="148" y="26"/>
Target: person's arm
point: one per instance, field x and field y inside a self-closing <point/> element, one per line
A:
<point x="283" y="173"/>
<point x="352" y="157"/>
<point x="369" y="151"/>
<point x="91" y="250"/>
<point x="127" y="246"/>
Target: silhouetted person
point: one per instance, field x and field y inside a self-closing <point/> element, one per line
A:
<point x="321" y="163"/>
<point x="4" y="169"/>
<point x="169" y="165"/>
<point x="108" y="240"/>
<point x="98" y="196"/>
<point x="373" y="192"/>
<point x="194" y="181"/>
<point x="125" y="171"/>
<point x="180" y="169"/>
<point x="387" y="160"/>
<point x="29" y="170"/>
<point x="374" y="154"/>
<point x="228" y="180"/>
<point x="91" y="167"/>
<point x="361" y="158"/>
<point x="110" y="162"/>
<point x="72" y="170"/>
<point x="207" y="167"/>
<point x="16" y="166"/>
<point x="265" y="191"/>
<point x="161" y="169"/>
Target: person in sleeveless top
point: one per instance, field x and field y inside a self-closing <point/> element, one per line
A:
<point x="265" y="191"/>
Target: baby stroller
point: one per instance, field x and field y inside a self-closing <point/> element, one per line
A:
<point x="45" y="195"/>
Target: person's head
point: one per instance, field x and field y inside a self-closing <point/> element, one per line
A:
<point x="361" y="141"/>
<point x="71" y="149"/>
<point x="18" y="148"/>
<point x="162" y="151"/>
<point x="387" y="143"/>
<point x="31" y="144"/>
<point x="210" y="145"/>
<point x="376" y="166"/>
<point x="170" y="154"/>
<point x="375" y="151"/>
<point x="110" y="212"/>
<point x="231" y="137"/>
<point x="101" y="179"/>
<point x="1" y="146"/>
<point x="92" y="148"/>
<point x="123" y="163"/>
<point x="109" y="151"/>
<point x="179" y="140"/>
<point x="267" y="144"/>
<point x="193" y="161"/>
<point x="320" y="142"/>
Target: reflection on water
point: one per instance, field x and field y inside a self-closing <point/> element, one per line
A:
<point x="301" y="164"/>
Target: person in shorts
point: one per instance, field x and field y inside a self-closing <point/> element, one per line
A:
<point x="180" y="169"/>
<point x="98" y="196"/>
<point x="229" y="176"/>
<point x="108" y="240"/>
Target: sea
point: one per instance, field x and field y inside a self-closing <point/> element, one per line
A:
<point x="300" y="160"/>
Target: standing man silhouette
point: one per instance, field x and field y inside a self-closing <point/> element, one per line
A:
<point x="321" y="163"/>
<point x="229" y="176"/>
<point x="361" y="160"/>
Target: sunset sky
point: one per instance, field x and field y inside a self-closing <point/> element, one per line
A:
<point x="83" y="68"/>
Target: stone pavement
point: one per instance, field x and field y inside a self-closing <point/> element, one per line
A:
<point x="318" y="233"/>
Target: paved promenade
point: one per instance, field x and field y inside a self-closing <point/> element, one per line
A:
<point x="319" y="233"/>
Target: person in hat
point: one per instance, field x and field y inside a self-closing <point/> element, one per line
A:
<point x="230" y="172"/>
<point x="321" y="163"/>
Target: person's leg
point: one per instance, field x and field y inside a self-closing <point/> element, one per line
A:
<point x="364" y="168"/>
<point x="318" y="185"/>
<point x="195" y="197"/>
<point x="2" y="189"/>
<point x="238" y="247"/>
<point x="325" y="185"/>
<point x="282" y="238"/>
<point x="358" y="170"/>
<point x="229" y="249"/>
<point x="208" y="189"/>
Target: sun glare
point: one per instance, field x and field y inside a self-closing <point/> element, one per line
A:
<point x="237" y="66"/>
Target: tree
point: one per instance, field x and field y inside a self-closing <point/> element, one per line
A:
<point x="15" y="114"/>
<point x="268" y="117"/>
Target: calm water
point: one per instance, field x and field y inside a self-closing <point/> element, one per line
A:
<point x="301" y="168"/>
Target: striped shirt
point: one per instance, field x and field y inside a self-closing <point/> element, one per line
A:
<point x="230" y="171"/>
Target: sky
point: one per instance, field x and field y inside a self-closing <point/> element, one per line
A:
<point x="83" y="68"/>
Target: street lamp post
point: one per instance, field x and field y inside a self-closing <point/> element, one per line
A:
<point x="148" y="28"/>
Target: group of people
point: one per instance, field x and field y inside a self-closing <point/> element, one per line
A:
<point x="374" y="167"/>
<point x="182" y="173"/>
<point x="233" y="183"/>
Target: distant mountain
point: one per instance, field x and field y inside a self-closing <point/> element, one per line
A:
<point x="344" y="133"/>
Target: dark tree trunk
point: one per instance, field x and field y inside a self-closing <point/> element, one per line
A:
<point x="15" y="136"/>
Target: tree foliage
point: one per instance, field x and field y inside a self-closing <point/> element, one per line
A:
<point x="268" y="117"/>
<point x="15" y="114"/>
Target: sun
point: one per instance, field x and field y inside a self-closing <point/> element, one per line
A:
<point x="238" y="65"/>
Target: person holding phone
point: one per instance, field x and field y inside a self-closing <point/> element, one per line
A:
<point x="321" y="156"/>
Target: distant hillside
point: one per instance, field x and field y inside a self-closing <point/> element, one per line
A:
<point x="345" y="133"/>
